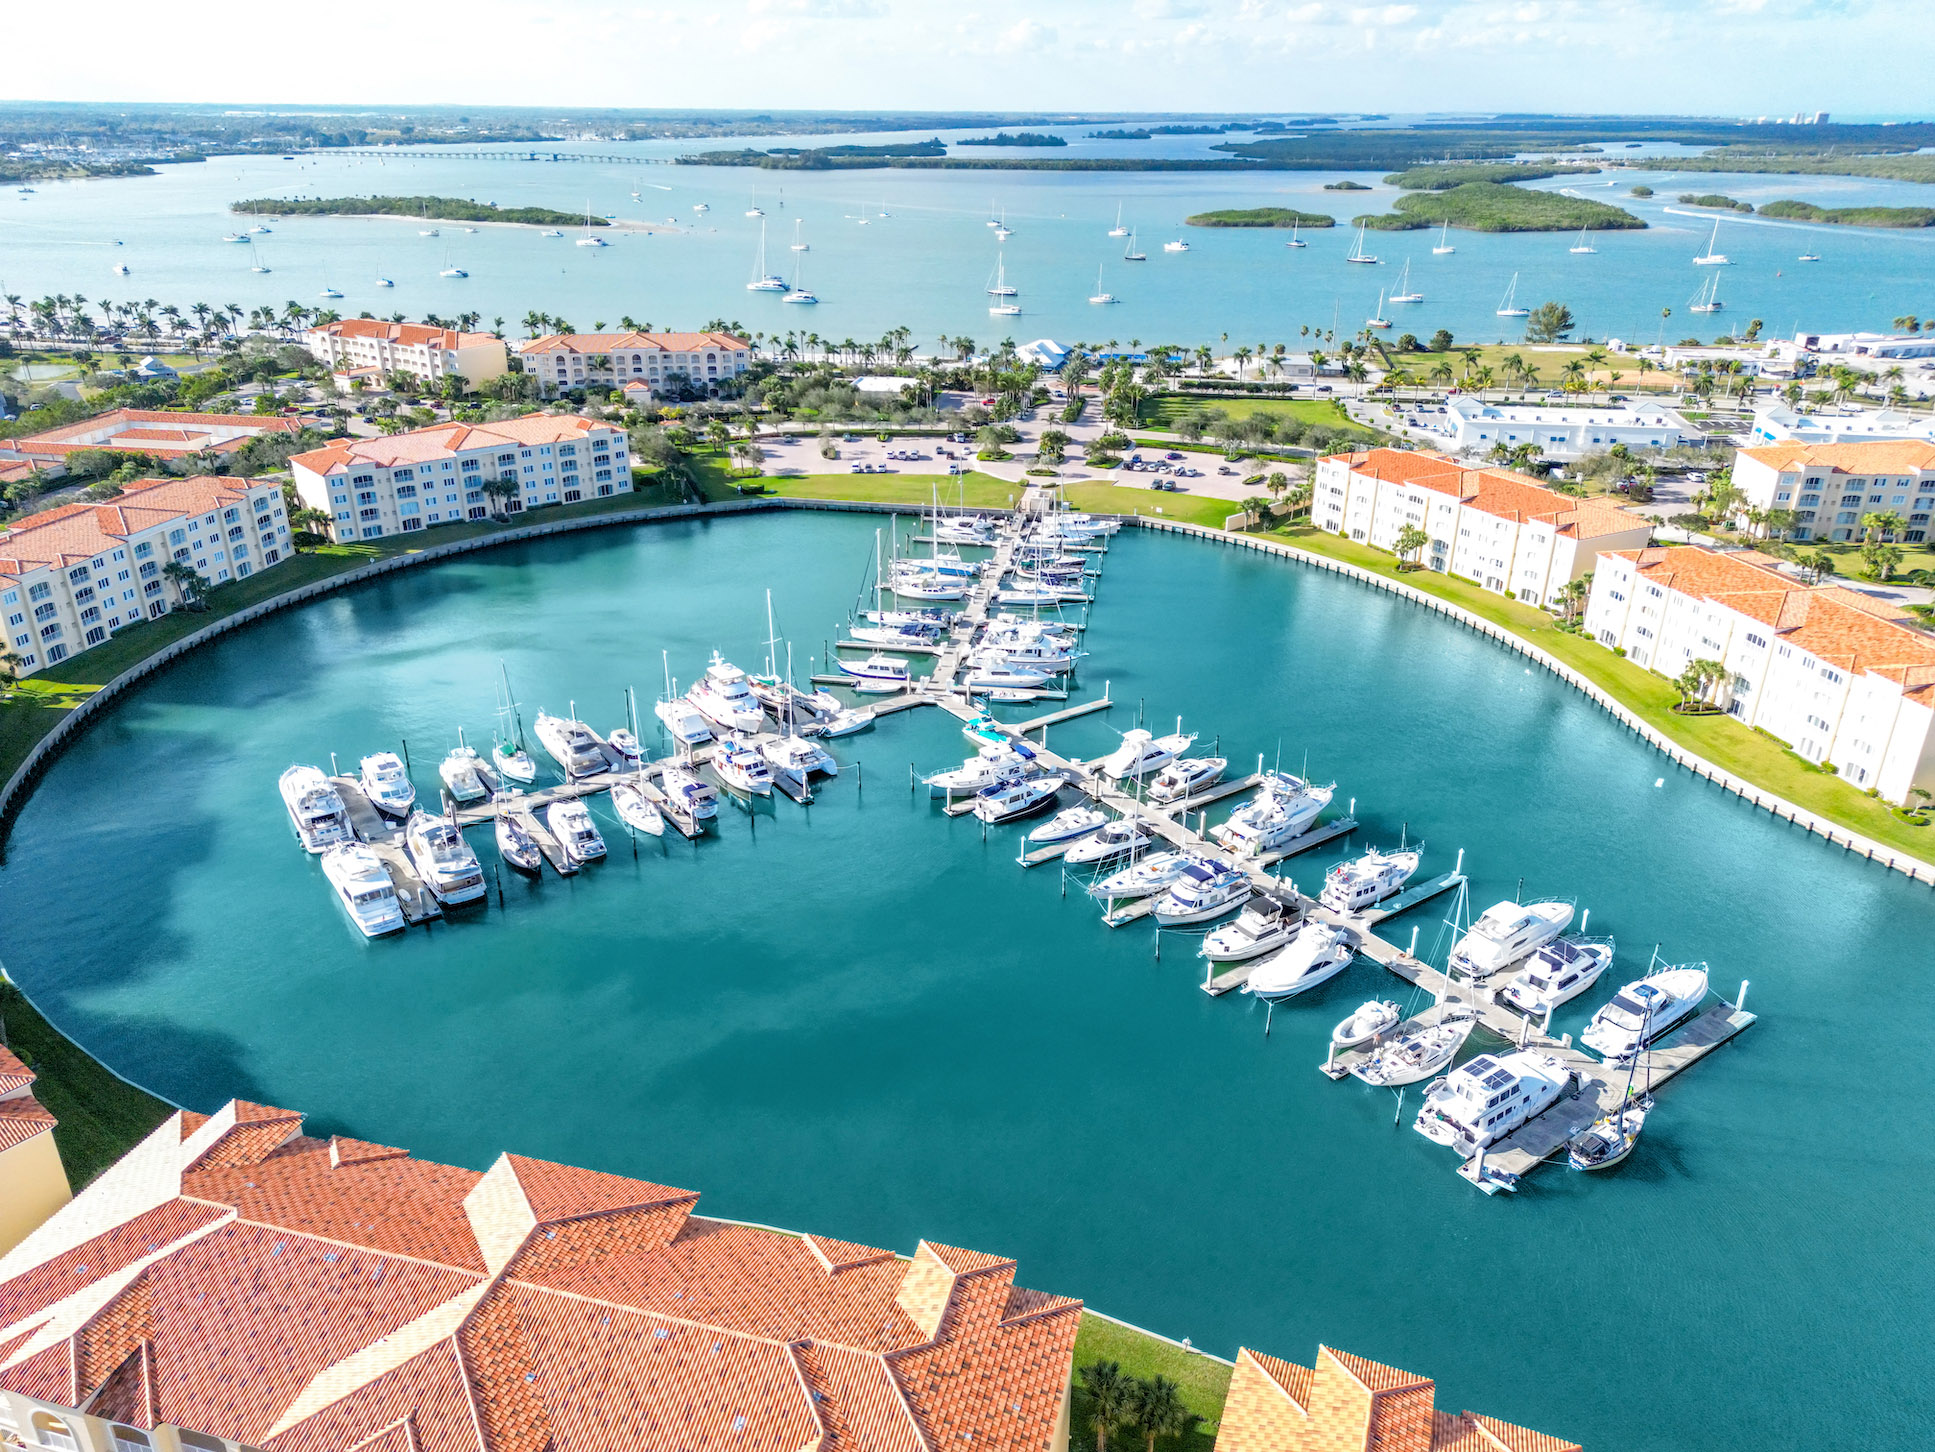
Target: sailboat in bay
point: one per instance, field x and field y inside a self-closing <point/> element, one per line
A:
<point x="1118" y="230"/>
<point x="1711" y="257"/>
<point x="762" y="280"/>
<point x="1707" y="299"/>
<point x="1583" y="246"/>
<point x="1379" y="321"/>
<point x="1444" y="240"/>
<point x="1002" y="293"/>
<point x="1295" y="240"/>
<point x="1100" y="295"/>
<point x="1132" y="253"/>
<point x="1403" y="293"/>
<point x="1357" y="252"/>
<point x="590" y="238"/>
<point x="1508" y="305"/>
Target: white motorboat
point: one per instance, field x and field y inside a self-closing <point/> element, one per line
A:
<point x="724" y="697"/>
<point x="989" y="766"/>
<point x="950" y="564"/>
<point x="921" y="635"/>
<point x="1206" y="889"/>
<point x="443" y="859"/>
<point x="1142" y="752"/>
<point x="1352" y="886"/>
<point x="1508" y="933"/>
<point x="928" y="587"/>
<point x="386" y="784"/>
<point x="1418" y="1053"/>
<point x="936" y="619"/>
<point x="965" y="529"/>
<point x="570" y="744"/>
<point x="1181" y="780"/>
<point x="1370" y="1020"/>
<point x="1490" y="1097"/>
<point x="635" y="809"/>
<point x="515" y="844"/>
<point x="1069" y="825"/>
<point x="365" y="888"/>
<point x="986" y="731"/>
<point x="1646" y="1011"/>
<point x="1153" y="874"/>
<point x="742" y="768"/>
<point x="462" y="772"/>
<point x="1610" y="1138"/>
<point x="1052" y="656"/>
<point x="1283" y="810"/>
<point x="691" y="797"/>
<point x="1177" y="246"/>
<point x="796" y="758"/>
<point x="877" y="675"/>
<point x="316" y="811"/>
<point x="1317" y="954"/>
<point x="995" y="676"/>
<point x="1559" y="972"/>
<point x="1020" y="798"/>
<point x="682" y="721"/>
<point x="571" y="824"/>
<point x="845" y="722"/>
<point x="513" y="761"/>
<point x="1119" y="838"/>
<point x="626" y="745"/>
<point x="1265" y="924"/>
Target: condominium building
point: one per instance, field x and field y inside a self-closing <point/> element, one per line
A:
<point x="1841" y="677"/>
<point x="70" y="577"/>
<point x="1347" y="1404"/>
<point x="606" y="360"/>
<point x="371" y="488"/>
<point x="232" y="1283"/>
<point x="33" y="1184"/>
<point x="1508" y="532"/>
<point x="370" y="349"/>
<point x="1472" y="426"/>
<point x="1829" y="487"/>
<point x="157" y="433"/>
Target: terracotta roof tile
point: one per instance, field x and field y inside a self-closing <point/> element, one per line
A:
<point x="407" y="335"/>
<point x="1293" y="1379"/>
<point x="360" y="1152"/>
<point x="127" y="1396"/>
<point x="34" y="1290"/>
<point x="72" y="533"/>
<point x="838" y="1255"/>
<point x="442" y="440"/>
<point x="422" y="1406"/>
<point x="71" y="438"/>
<point x="21" y="1118"/>
<point x="1878" y="456"/>
<point x="14" y="1073"/>
<point x="1371" y="1375"/>
<point x="564" y="1192"/>
<point x="632" y="342"/>
<point x="47" y="1375"/>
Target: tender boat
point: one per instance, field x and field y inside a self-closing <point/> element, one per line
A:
<point x="571" y="824"/>
<point x="724" y="697"/>
<point x="1646" y="1011"/>
<point x="1153" y="874"/>
<point x="1206" y="889"/>
<point x="635" y="809"/>
<point x="1181" y="780"/>
<point x="1117" y="839"/>
<point x="986" y="731"/>
<point x="877" y="675"/>
<point x="1142" y="752"/>
<point x="742" y="768"/>
<point x="1490" y="1097"/>
<point x="316" y="811"/>
<point x="1283" y="810"/>
<point x="513" y="761"/>
<point x="516" y="845"/>
<point x="443" y="859"/>
<point x="462" y="773"/>
<point x="1013" y="799"/>
<point x="990" y="766"/>
<point x="1371" y="1020"/>
<point x="365" y="888"/>
<point x="1318" y="953"/>
<point x="1418" y="1053"/>
<point x="1508" y="933"/>
<point x="1610" y="1138"/>
<point x="570" y="744"/>
<point x="1067" y="826"/>
<point x="845" y="722"/>
<point x="386" y="785"/>
<point x="1265" y="924"/>
<point x="1352" y="886"/>
<point x="690" y="796"/>
<point x="626" y="745"/>
<point x="1559" y="972"/>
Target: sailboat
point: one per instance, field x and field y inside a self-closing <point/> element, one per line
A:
<point x="1295" y="240"/>
<point x="1711" y="258"/>
<point x="762" y="280"/>
<point x="1118" y="230"/>
<point x="993" y="219"/>
<point x="1583" y="246"/>
<point x="590" y="239"/>
<point x="256" y="264"/>
<point x="1100" y="295"/>
<point x="1001" y="231"/>
<point x="754" y="210"/>
<point x="1003" y="305"/>
<point x="1357" y="253"/>
<point x="798" y="245"/>
<point x="999" y="287"/>
<point x="1403" y="293"/>
<point x="1508" y="305"/>
<point x="426" y="231"/>
<point x="328" y="291"/>
<point x="1707" y="299"/>
<point x="1444" y="240"/>
<point x="798" y="292"/>
<point x="1809" y="257"/>
<point x="1131" y="253"/>
<point x="1380" y="321"/>
<point x="507" y="751"/>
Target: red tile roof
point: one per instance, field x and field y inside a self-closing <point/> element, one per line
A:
<point x="21" y="1115"/>
<point x="14" y="1073"/>
<point x="635" y="342"/>
<point x="1879" y="456"/>
<point x="440" y="441"/>
<point x="407" y="335"/>
<point x="71" y="533"/>
<point x="151" y="432"/>
<point x="1498" y="492"/>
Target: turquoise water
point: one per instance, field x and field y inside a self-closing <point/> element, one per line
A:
<point x="925" y="266"/>
<point x="864" y="1020"/>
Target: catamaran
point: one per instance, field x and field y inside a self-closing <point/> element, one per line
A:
<point x="762" y="280"/>
<point x="590" y="238"/>
<point x="1711" y="258"/>
<point x="1583" y="246"/>
<point x="1357" y="252"/>
<point x="798" y="293"/>
<point x="1001" y="230"/>
<point x="1707" y="299"/>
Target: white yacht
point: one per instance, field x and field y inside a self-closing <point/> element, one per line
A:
<point x="571" y="824"/>
<point x="1206" y="889"/>
<point x="845" y="722"/>
<point x="635" y="809"/>
<point x="513" y="761"/>
<point x="1352" y="886"/>
<point x="1283" y="810"/>
<point x="626" y="745"/>
<point x="515" y="844"/>
<point x="1712" y="257"/>
<point x="366" y="890"/>
<point x="1490" y="1097"/>
<point x="877" y="675"/>
<point x="989" y="766"/>
<point x="1583" y="247"/>
<point x="724" y="697"/>
<point x="1182" y="779"/>
<point x="453" y="271"/>
<point x="1265" y="924"/>
<point x="1508" y="305"/>
<point x="921" y="633"/>
<point x="689" y="796"/>
<point x="1069" y="825"/>
<point x="1053" y="655"/>
<point x="1508" y="933"/>
<point x="1418" y="1053"/>
<point x="1645" y="1011"/>
<point x="462" y="773"/>
<point x="1559" y="972"/>
<point x="443" y="859"/>
<point x="386" y="784"/>
<point x="1370" y="1020"/>
<point x="315" y="810"/>
<point x="1119" y="838"/>
<point x="1020" y="798"/>
<point x="742" y="768"/>
<point x="1317" y="954"/>
<point x="995" y="675"/>
<point x="928" y="587"/>
<point x="1142" y="752"/>
<point x="570" y="744"/>
<point x="1153" y="874"/>
<point x="682" y="720"/>
<point x="1177" y="246"/>
<point x="965" y="529"/>
<point x="797" y="759"/>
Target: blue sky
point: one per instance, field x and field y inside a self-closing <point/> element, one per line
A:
<point x="1722" y="57"/>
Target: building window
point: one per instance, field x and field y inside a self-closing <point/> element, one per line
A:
<point x="97" y="635"/>
<point x="412" y="523"/>
<point x="373" y="531"/>
<point x="55" y="653"/>
<point x="50" y="1430"/>
<point x="201" y="1443"/>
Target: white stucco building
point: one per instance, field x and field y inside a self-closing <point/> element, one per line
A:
<point x="1831" y="486"/>
<point x="371" y="488"/>
<point x="1503" y="530"/>
<point x="370" y="349"/>
<point x="1778" y="424"/>
<point x="608" y="360"/>
<point x="1471" y="426"/>
<point x="1839" y="676"/>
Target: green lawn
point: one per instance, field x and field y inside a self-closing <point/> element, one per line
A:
<point x="1204" y="1382"/>
<point x="972" y="491"/>
<point x="1186" y="508"/>
<point x="1162" y="411"/>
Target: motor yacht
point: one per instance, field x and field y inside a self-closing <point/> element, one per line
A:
<point x="1181" y="780"/>
<point x="682" y="720"/>
<point x="443" y="859"/>
<point x="516" y="845"/>
<point x="1352" y="886"/>
<point x="742" y="768"/>
<point x="462" y="773"/>
<point x="928" y="587"/>
<point x="1417" y="1053"/>
<point x="513" y="761"/>
<point x="571" y="824"/>
<point x="724" y="697"/>
<point x="989" y="766"/>
<point x="1036" y="595"/>
<point x="920" y="635"/>
<point x="1370" y="1020"/>
<point x="845" y="722"/>
<point x="626" y="745"/>
<point x="967" y="529"/>
<point x="1152" y="875"/>
<point x="635" y="809"/>
<point x="690" y="797"/>
<point x="1284" y="809"/>
<point x="1490" y="1097"/>
<point x="1559" y="972"/>
<point x="1508" y="933"/>
<point x="1317" y="954"/>
<point x="386" y="785"/>
<point x="1022" y="797"/>
<point x="1265" y="924"/>
<point x="570" y="744"/>
<point x="365" y="888"/>
<point x="315" y="809"/>
<point x="1610" y="1138"/>
<point x="1119" y="838"/>
<point x="797" y="759"/>
<point x="1206" y="889"/>
<point x="1051" y="656"/>
<point x="938" y="619"/>
<point x="950" y="564"/>
<point x="1070" y="825"/>
<point x="877" y="675"/>
<point x="987" y="675"/>
<point x="1646" y="1011"/>
<point x="1142" y="752"/>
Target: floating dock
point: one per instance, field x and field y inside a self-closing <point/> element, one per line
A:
<point x="383" y="835"/>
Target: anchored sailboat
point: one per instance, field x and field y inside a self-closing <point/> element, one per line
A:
<point x="1582" y="245"/>
<point x="1100" y="295"/>
<point x="1133" y="254"/>
<point x="1712" y="258"/>
<point x="1357" y="252"/>
<point x="1707" y="299"/>
<point x="1444" y="240"/>
<point x="1118" y="230"/>
<point x="1403" y="294"/>
<point x="762" y="280"/>
<point x="1508" y="305"/>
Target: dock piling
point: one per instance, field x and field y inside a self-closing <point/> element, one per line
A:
<point x="1269" y="1017"/>
<point x="1585" y="916"/>
<point x="1741" y="1001"/>
<point x="333" y="769"/>
<point x="497" y="875"/>
<point x="406" y="753"/>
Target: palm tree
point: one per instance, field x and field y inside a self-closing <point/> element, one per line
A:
<point x="1880" y="524"/>
<point x="1157" y="1409"/>
<point x="1109" y="1393"/>
<point x="1444" y="373"/>
<point x="9" y="671"/>
<point x="191" y="587"/>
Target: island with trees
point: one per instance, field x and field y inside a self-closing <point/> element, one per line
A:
<point x="436" y="209"/>
<point x="1346" y="185"/>
<point x="1261" y="217"/>
<point x="1714" y="202"/>
<point x="1851" y="216"/>
<point x="1119" y="133"/>
<point x="1496" y="207"/>
<point x="1014" y="138"/>
<point x="1443" y="176"/>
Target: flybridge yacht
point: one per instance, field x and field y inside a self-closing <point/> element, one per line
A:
<point x="689" y="796"/>
<point x="1181" y="780"/>
<point x="1277" y="815"/>
<point x="1141" y="753"/>
<point x="797" y="759"/>
<point x="988" y="767"/>
<point x="443" y="859"/>
<point x="1558" y="973"/>
<point x="462" y="771"/>
<point x="1119" y="838"/>
<point x="1068" y="826"/>
<point x="1019" y="798"/>
<point x="724" y="697"/>
<point x="366" y="890"/>
<point x="1206" y="889"/>
<point x="1489" y="1098"/>
<point x="964" y="529"/>
<point x="570" y="744"/>
<point x="571" y="824"/>
<point x="315" y="810"/>
<point x="1264" y="925"/>
<point x="1508" y="933"/>
<point x="386" y="784"/>
<point x="743" y="769"/>
<point x="877" y="675"/>
<point x="1352" y="886"/>
<point x="996" y="675"/>
<point x="1645" y="1011"/>
<point x="1317" y="954"/>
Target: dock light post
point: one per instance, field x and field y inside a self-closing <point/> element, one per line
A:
<point x="333" y="771"/>
<point x="1412" y="951"/>
<point x="1459" y="866"/>
<point x="1741" y="1002"/>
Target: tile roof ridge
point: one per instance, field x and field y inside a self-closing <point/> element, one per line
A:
<point x="408" y="1422"/>
<point x="361" y="1247"/>
<point x="673" y="1318"/>
<point x="808" y="1394"/>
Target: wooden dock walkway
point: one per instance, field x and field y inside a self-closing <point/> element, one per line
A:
<point x="383" y="835"/>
